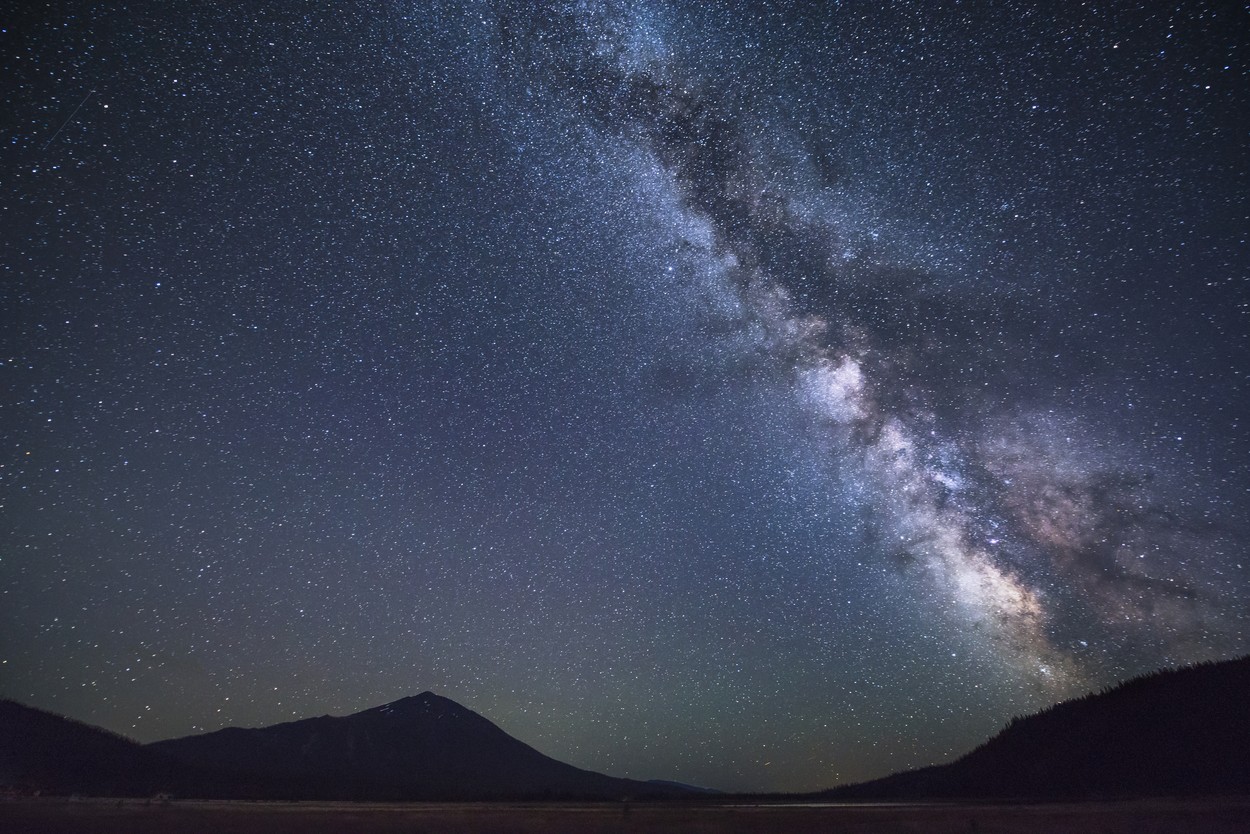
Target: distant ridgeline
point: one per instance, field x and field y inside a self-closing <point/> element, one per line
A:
<point x="43" y="753"/>
<point x="1182" y="732"/>
<point x="424" y="747"/>
<point x="1177" y="733"/>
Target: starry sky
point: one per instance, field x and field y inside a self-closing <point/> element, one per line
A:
<point x="762" y="396"/>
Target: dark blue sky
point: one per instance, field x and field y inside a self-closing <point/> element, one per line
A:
<point x="759" y="396"/>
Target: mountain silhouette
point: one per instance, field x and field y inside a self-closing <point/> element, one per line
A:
<point x="1183" y="732"/>
<point x="47" y="752"/>
<point x="420" y="747"/>
<point x="423" y="747"/>
<point x="41" y="752"/>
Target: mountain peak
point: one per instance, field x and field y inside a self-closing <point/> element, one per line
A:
<point x="419" y="747"/>
<point x="425" y="702"/>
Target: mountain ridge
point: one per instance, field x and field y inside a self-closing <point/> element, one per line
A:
<point x="418" y="747"/>
<point x="421" y="746"/>
<point x="1174" y="732"/>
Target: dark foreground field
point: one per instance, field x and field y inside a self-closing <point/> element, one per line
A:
<point x="135" y="817"/>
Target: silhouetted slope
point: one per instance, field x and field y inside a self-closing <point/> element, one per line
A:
<point x="44" y="752"/>
<point x="420" y="747"/>
<point x="682" y="786"/>
<point x="1172" y="733"/>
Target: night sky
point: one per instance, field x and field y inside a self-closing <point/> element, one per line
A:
<point x="761" y="396"/>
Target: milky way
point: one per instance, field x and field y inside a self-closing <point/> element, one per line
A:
<point x="752" y="395"/>
<point x="985" y="515"/>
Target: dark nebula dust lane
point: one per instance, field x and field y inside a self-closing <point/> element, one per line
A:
<point x="754" y="395"/>
<point x="985" y="514"/>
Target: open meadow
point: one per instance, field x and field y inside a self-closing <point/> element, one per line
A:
<point x="191" y="817"/>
